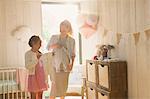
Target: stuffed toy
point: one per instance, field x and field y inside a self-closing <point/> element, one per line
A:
<point x="103" y="52"/>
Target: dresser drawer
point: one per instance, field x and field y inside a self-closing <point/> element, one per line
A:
<point x="112" y="76"/>
<point x="103" y="71"/>
<point x="92" y="72"/>
<point x="102" y="94"/>
<point x="91" y="93"/>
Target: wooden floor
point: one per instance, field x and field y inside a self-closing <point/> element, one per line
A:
<point x="74" y="97"/>
<point x="69" y="97"/>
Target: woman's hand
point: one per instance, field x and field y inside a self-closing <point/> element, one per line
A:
<point x="54" y="46"/>
<point x="70" y="67"/>
<point x="58" y="46"/>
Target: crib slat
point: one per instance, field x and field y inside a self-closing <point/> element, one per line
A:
<point x="3" y="95"/>
<point x="8" y="77"/>
<point x="16" y="94"/>
<point x="7" y="84"/>
<point x="12" y="87"/>
<point x="12" y="95"/>
<point x="3" y="86"/>
<point x="21" y="94"/>
<point x="26" y="95"/>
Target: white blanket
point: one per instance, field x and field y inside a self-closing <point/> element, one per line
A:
<point x="47" y="62"/>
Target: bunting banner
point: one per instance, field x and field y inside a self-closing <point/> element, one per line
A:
<point x="136" y="37"/>
<point x="147" y="34"/>
<point x="119" y="35"/>
<point x="105" y="32"/>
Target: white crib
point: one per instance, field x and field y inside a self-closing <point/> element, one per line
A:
<point x="9" y="88"/>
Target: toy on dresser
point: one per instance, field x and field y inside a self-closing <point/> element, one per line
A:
<point x="103" y="52"/>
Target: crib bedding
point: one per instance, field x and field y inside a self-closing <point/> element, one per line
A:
<point x="8" y="86"/>
<point x="13" y="80"/>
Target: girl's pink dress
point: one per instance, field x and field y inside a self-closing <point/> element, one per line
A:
<point x="36" y="83"/>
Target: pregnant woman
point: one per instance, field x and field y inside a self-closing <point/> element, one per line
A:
<point x="63" y="47"/>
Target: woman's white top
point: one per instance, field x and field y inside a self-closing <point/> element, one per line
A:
<point x="62" y="56"/>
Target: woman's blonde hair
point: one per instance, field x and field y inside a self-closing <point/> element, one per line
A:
<point x="68" y="25"/>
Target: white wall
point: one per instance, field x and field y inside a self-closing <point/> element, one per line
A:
<point x="128" y="17"/>
<point x="89" y="7"/>
<point x="89" y="46"/>
<point x="147" y="13"/>
<point x="2" y="34"/>
<point x="14" y="13"/>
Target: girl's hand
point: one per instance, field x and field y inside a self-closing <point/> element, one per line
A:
<point x="38" y="55"/>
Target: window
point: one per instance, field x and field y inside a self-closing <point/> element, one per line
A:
<point x="52" y="15"/>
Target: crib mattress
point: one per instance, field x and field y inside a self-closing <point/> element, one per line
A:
<point x="8" y="86"/>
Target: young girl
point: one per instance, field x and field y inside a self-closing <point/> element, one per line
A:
<point x="36" y="78"/>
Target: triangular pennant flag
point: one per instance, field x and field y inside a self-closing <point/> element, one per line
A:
<point x="147" y="33"/>
<point x="136" y="37"/>
<point x="105" y="32"/>
<point x="119" y="35"/>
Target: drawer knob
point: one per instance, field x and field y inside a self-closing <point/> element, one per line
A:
<point x="91" y="88"/>
<point x="91" y="63"/>
<point x="102" y="94"/>
<point x="102" y="65"/>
